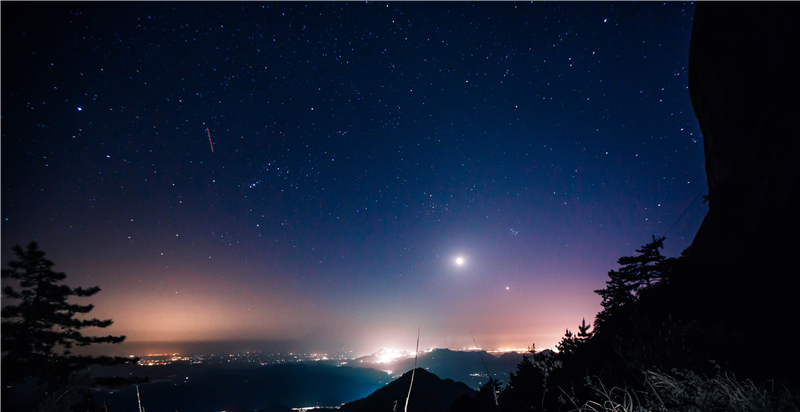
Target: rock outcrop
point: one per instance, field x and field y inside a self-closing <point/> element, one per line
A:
<point x="744" y="82"/>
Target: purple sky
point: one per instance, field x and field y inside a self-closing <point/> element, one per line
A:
<point x="358" y="150"/>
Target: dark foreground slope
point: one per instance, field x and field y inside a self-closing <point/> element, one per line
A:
<point x="429" y="394"/>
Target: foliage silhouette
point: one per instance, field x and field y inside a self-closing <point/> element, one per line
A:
<point x="626" y="285"/>
<point x="489" y="391"/>
<point x="40" y="329"/>
<point x="653" y="321"/>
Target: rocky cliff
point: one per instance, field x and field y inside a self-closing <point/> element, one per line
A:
<point x="744" y="84"/>
<point x="744" y="81"/>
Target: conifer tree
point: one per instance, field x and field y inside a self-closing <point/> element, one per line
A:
<point x="489" y="391"/>
<point x="568" y="343"/>
<point x="638" y="272"/>
<point x="571" y="342"/>
<point x="525" y="386"/>
<point x="583" y="331"/>
<point x="40" y="328"/>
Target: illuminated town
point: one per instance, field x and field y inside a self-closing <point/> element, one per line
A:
<point x="339" y="358"/>
<point x="255" y="357"/>
<point x="458" y="364"/>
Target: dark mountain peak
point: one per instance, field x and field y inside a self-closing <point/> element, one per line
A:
<point x="448" y="355"/>
<point x="512" y="356"/>
<point x="419" y="375"/>
<point x="428" y="394"/>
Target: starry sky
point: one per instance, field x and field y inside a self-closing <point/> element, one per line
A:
<point x="311" y="172"/>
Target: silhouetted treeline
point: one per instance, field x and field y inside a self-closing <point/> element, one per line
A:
<point x="659" y="315"/>
<point x="40" y="328"/>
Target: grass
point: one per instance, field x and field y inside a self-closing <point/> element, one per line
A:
<point x="688" y="392"/>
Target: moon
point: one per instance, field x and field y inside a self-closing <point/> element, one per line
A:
<point x="459" y="261"/>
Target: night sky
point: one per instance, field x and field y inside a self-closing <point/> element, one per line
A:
<point x="358" y="151"/>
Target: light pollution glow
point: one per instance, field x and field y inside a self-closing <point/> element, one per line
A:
<point x="486" y="196"/>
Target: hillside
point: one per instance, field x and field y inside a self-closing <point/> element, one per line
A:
<point x="429" y="394"/>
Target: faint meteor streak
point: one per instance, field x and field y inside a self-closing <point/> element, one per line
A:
<point x="209" y="140"/>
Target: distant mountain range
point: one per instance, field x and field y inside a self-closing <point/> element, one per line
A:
<point x="467" y="367"/>
<point x="275" y="388"/>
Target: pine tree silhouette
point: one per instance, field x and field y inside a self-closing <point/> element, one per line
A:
<point x="637" y="274"/>
<point x="40" y="328"/>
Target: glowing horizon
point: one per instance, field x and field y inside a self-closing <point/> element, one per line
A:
<point x="449" y="174"/>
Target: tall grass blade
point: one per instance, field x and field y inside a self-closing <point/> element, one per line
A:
<point x="494" y="390"/>
<point x="416" y="354"/>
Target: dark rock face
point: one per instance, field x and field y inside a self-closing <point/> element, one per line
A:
<point x="744" y="81"/>
<point x="429" y="394"/>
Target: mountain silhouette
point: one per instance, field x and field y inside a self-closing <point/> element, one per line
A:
<point x="467" y="367"/>
<point x="429" y="394"/>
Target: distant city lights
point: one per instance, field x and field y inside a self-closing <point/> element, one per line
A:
<point x="385" y="357"/>
<point x="388" y="355"/>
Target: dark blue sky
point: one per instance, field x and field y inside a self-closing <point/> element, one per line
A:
<point x="358" y="149"/>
